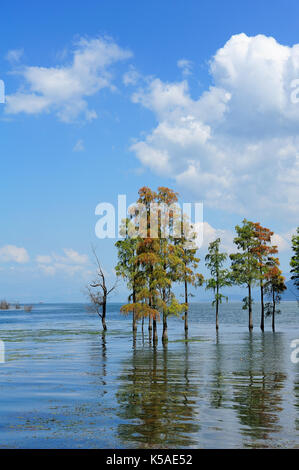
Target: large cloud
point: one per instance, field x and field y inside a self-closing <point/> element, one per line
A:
<point x="236" y="147"/>
<point x="64" y="89"/>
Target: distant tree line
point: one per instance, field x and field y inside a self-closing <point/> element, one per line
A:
<point x="152" y="265"/>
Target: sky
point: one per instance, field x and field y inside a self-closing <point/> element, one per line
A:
<point x="102" y="98"/>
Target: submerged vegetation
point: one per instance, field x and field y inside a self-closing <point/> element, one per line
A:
<point x="158" y="251"/>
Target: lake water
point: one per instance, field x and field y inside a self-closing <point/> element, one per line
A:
<point x="66" y="385"/>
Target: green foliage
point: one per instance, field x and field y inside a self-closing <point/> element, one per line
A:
<point x="245" y="265"/>
<point x="295" y="259"/>
<point x="151" y="265"/>
<point x="274" y="287"/>
<point x="215" y="261"/>
<point x="246" y="302"/>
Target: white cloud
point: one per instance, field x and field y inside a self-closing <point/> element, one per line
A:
<point x="71" y="263"/>
<point x="279" y="241"/>
<point x="48" y="270"/>
<point x="74" y="257"/>
<point x="13" y="253"/>
<point x="283" y="241"/>
<point x="186" y="66"/>
<point x="46" y="259"/>
<point x="131" y="77"/>
<point x="79" y="146"/>
<point x="14" y="55"/>
<point x="64" y="89"/>
<point x="208" y="234"/>
<point x="237" y="146"/>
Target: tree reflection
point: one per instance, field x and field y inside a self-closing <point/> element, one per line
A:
<point x="218" y="377"/>
<point x="296" y="395"/>
<point x="258" y="387"/>
<point x="157" y="399"/>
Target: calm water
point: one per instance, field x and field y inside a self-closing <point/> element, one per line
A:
<point x="65" y="384"/>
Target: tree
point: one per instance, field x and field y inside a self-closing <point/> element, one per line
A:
<point x="127" y="267"/>
<point x="98" y="298"/>
<point x="149" y="261"/>
<point x="263" y="250"/>
<point x="188" y="266"/>
<point x="274" y="286"/>
<point x="167" y="217"/>
<point x="220" y="276"/>
<point x="295" y="260"/>
<point x="245" y="269"/>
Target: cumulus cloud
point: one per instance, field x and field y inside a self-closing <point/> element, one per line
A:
<point x="13" y="253"/>
<point x="65" y="89"/>
<point x="236" y="147"/>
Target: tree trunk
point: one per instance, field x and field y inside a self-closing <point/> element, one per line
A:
<point x="134" y="314"/>
<point x="273" y="312"/>
<point x="250" y="324"/>
<point x="142" y="324"/>
<point x="165" y="334"/>
<point x="155" y="334"/>
<point x="104" y="314"/>
<point x="262" y="308"/>
<point x="150" y="327"/>
<point x="217" y="306"/>
<point x="186" y="302"/>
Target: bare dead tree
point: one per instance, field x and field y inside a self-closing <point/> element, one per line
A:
<point x="98" y="292"/>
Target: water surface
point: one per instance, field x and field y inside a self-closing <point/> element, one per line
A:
<point x="66" y="385"/>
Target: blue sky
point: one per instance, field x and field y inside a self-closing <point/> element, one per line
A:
<point x="105" y="97"/>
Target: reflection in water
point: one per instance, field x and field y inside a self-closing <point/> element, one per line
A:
<point x="157" y="399"/>
<point x="66" y="385"/>
<point x="258" y="387"/>
<point x="296" y="395"/>
<point x="218" y="379"/>
<point x="104" y="357"/>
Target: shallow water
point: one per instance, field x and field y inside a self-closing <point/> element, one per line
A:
<point x="66" y="385"/>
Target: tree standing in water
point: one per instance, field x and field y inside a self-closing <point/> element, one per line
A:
<point x="295" y="260"/>
<point x="150" y="261"/>
<point x="220" y="276"/>
<point x="189" y="276"/>
<point x="274" y="287"/>
<point x="98" y="298"/>
<point x="167" y="219"/>
<point x="127" y="267"/>
<point x="263" y="250"/>
<point x="245" y="269"/>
